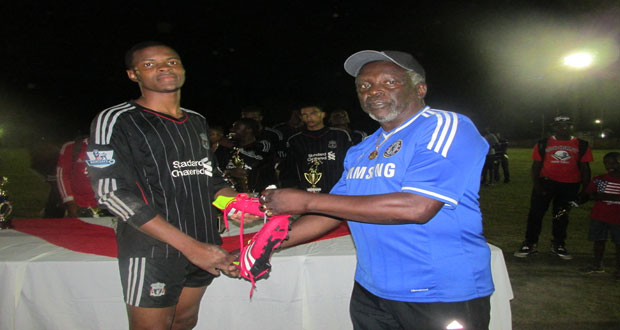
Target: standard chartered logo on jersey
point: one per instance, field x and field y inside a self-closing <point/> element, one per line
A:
<point x="192" y="167"/>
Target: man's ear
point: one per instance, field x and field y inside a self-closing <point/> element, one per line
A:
<point x="421" y="89"/>
<point x="131" y="73"/>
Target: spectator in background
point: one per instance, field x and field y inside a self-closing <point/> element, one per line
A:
<point x="220" y="145"/>
<point x="501" y="154"/>
<point x="268" y="137"/>
<point x="73" y="182"/>
<point x="314" y="156"/>
<point x="605" y="220"/>
<point x="340" y="119"/>
<point x="248" y="167"/>
<point x="293" y="125"/>
<point x="491" y="162"/>
<point x="559" y="170"/>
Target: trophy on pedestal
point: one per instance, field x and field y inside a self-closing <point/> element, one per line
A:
<point x="5" y="206"/>
<point x="314" y="176"/>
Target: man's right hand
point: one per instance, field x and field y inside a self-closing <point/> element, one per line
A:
<point x="209" y="257"/>
<point x="213" y="259"/>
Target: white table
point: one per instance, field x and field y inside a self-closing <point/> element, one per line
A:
<point x="49" y="287"/>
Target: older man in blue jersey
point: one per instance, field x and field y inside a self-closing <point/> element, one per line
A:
<point x="410" y="195"/>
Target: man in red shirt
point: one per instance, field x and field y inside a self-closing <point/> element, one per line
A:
<point x="559" y="172"/>
<point x="73" y="182"/>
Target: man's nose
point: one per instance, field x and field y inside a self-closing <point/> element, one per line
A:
<point x="375" y="90"/>
<point x="164" y="67"/>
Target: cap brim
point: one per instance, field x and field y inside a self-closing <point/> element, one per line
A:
<point x="355" y="62"/>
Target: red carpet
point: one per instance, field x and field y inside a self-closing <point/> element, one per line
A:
<point x="80" y="236"/>
<point x="72" y="234"/>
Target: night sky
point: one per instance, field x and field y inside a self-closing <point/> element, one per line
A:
<point x="495" y="61"/>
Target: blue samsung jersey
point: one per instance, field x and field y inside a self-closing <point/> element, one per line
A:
<point x="437" y="154"/>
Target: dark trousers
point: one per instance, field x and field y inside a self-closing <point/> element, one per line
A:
<point x="490" y="170"/>
<point x="503" y="161"/>
<point x="369" y="312"/>
<point x="561" y="194"/>
<point x="54" y="208"/>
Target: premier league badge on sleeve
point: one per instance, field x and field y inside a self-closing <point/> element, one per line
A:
<point x="100" y="158"/>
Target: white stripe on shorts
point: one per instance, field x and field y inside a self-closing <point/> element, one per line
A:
<point x="135" y="277"/>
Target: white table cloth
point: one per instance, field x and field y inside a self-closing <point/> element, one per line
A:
<point x="45" y="286"/>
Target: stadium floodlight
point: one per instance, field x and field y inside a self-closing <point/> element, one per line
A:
<point x="579" y="60"/>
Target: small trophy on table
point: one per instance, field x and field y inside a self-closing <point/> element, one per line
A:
<point x="5" y="206"/>
<point x="239" y="181"/>
<point x="314" y="176"/>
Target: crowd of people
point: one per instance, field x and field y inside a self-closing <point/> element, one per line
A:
<point x="409" y="192"/>
<point x="302" y="152"/>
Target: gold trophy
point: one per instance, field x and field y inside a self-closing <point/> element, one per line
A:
<point x="5" y="206"/>
<point x="314" y="176"/>
<point x="240" y="183"/>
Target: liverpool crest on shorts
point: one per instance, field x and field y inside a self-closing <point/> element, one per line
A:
<point x="157" y="289"/>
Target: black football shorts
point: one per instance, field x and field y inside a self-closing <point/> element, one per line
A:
<point x="157" y="282"/>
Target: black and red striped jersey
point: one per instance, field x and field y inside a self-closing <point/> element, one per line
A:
<point x="142" y="163"/>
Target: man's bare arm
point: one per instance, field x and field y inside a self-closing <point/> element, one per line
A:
<point x="393" y="208"/>
<point x="309" y="227"/>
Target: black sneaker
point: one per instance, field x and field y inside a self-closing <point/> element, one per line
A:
<point x="526" y="250"/>
<point x="592" y="270"/>
<point x="560" y="251"/>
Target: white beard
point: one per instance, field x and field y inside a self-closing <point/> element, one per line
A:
<point x="391" y="115"/>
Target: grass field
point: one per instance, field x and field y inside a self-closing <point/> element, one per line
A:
<point x="26" y="188"/>
<point x="549" y="292"/>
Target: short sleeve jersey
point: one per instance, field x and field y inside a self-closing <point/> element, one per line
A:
<point x="562" y="160"/>
<point x="327" y="146"/>
<point x="605" y="211"/>
<point x="439" y="155"/>
<point x="143" y="163"/>
<point x="73" y="181"/>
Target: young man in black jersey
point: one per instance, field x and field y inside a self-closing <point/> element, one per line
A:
<point x="314" y="156"/>
<point x="268" y="137"/>
<point x="150" y="164"/>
